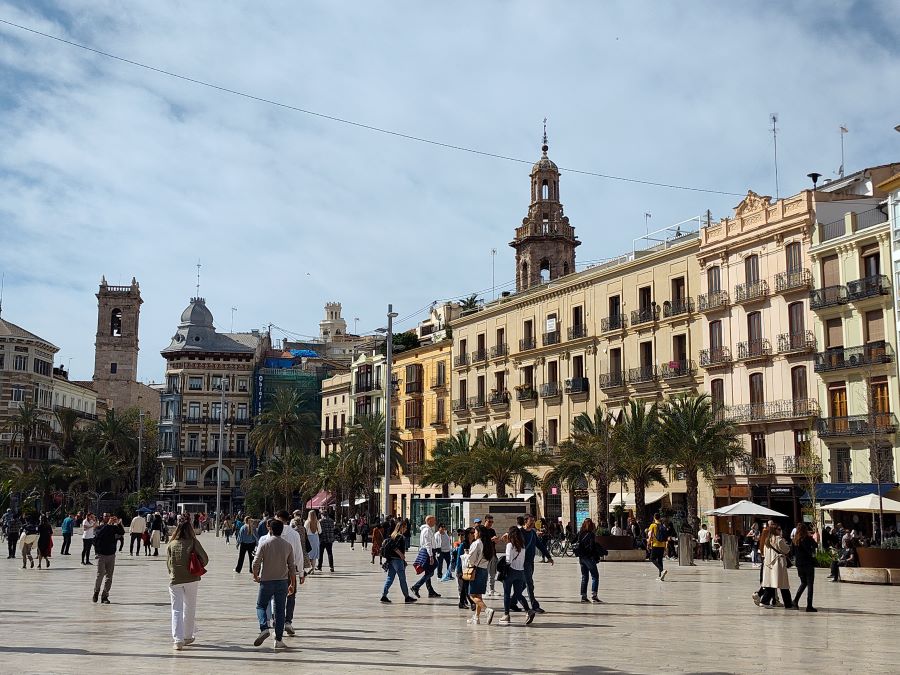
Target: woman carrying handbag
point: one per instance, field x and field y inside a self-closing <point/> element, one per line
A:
<point x="187" y="561"/>
<point x="775" y="574"/>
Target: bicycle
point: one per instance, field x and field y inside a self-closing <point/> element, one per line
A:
<point x="561" y="548"/>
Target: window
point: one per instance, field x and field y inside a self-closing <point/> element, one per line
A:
<point x="441" y="378"/>
<point x="18" y="394"/>
<point x="42" y="367"/>
<point x="217" y="383"/>
<point x="190" y="476"/>
<point x="758" y="446"/>
<point x="167" y="410"/>
<point x="577" y="316"/>
<point x="615" y="362"/>
<point x="194" y="411"/>
<point x="831" y="271"/>
<point x="645" y="298"/>
<point x="193" y="444"/>
<point x="21" y="362"/>
<point x="215" y="410"/>
<point x="840" y="465"/>
<point x="798" y="385"/>
<point x="115" y="323"/>
<point x="751" y="269"/>
<point x="881" y="461"/>
<point x="239" y="475"/>
<point x="679" y="349"/>
<point x="552" y="372"/>
<point x="801" y="442"/>
<point x="881" y="399"/>
<point x="214" y="443"/>
<point x="678" y="289"/>
<point x="717" y="393"/>
<point x="463" y="391"/>
<point x="754" y="329"/>
<point x="113" y="367"/>
<point x="528" y="330"/>
<point x="242" y="384"/>
<point x="834" y="333"/>
<point x="615" y="306"/>
<point x="837" y="406"/>
<point x="528" y="377"/>
<point x="578" y="366"/>
<point x="715" y="337"/>
<point x="646" y="352"/>
<point x="413" y="418"/>
<point x="500" y="381"/>
<point x="874" y="326"/>
<point x="173" y="384"/>
<point x="871" y="261"/>
<point x="793" y="255"/>
<point x="528" y="434"/>
<point x="757" y="395"/>
<point x="242" y="412"/>
<point x="553" y="432"/>
<point x="170" y="475"/>
<point x="714" y="279"/>
<point x="195" y="383"/>
<point x="796" y="325"/>
<point x="481" y="389"/>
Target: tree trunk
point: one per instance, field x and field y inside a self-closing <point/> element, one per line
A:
<point x="466" y="491"/>
<point x="640" y="506"/>
<point x="501" y="490"/>
<point x="692" y="489"/>
<point x="602" y="502"/>
<point x="445" y="490"/>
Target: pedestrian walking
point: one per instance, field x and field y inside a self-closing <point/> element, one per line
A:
<point x="13" y="530"/>
<point x="156" y="526"/>
<point x="68" y="529"/>
<point x="393" y="549"/>
<point x="775" y="576"/>
<point x="444" y="545"/>
<point x="657" y="541"/>
<point x="45" y="541"/>
<point x="105" y="545"/>
<point x="88" y="527"/>
<point x="586" y="549"/>
<point x="351" y="532"/>
<point x="365" y="531"/>
<point x="326" y="542"/>
<point x="313" y="531"/>
<point x="293" y="537"/>
<point x="246" y="543"/>
<point x="29" y="539"/>
<point x="377" y="539"/>
<point x="533" y="543"/>
<point x="297" y="526"/>
<point x="466" y="538"/>
<point x="273" y="570"/>
<point x="136" y="530"/>
<point x="488" y="524"/>
<point x="481" y="551"/>
<point x="227" y="529"/>
<point x="704" y="538"/>
<point x="426" y="559"/>
<point x="805" y="548"/>
<point x="261" y="529"/>
<point x="184" y="582"/>
<point x="514" y="579"/>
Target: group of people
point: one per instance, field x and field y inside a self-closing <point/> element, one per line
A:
<point x="33" y="534"/>
<point x="776" y="553"/>
<point x="317" y="535"/>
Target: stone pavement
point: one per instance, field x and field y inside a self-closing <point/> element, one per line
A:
<point x="700" y="620"/>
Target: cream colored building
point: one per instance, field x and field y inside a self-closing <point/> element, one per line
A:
<point x="73" y="396"/>
<point x="336" y="407"/>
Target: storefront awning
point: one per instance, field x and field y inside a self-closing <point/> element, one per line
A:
<point x="828" y="493"/>
<point x="628" y="499"/>
<point x="323" y="498"/>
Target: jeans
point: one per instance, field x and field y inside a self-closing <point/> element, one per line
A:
<point x="11" y="540"/>
<point x="807" y="576"/>
<point x="426" y="579"/>
<point x="86" y="550"/>
<point x="656" y="557"/>
<point x="492" y="572"/>
<point x="529" y="583"/>
<point x="513" y="585"/>
<point x="184" y="609"/>
<point x="67" y="543"/>
<point x="463" y="587"/>
<point x="135" y="537"/>
<point x="106" y="565"/>
<point x="443" y="557"/>
<point x="248" y="550"/>
<point x="589" y="568"/>
<point x="269" y="590"/>
<point x="323" y="549"/>
<point x="396" y="568"/>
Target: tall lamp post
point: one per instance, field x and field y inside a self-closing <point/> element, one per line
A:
<point x="221" y="445"/>
<point x="140" y="452"/>
<point x="388" y="391"/>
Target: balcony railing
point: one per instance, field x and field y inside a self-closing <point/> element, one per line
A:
<point x="830" y="296"/>
<point x="551" y="338"/>
<point x="81" y="414"/>
<point x="675" y="369"/>
<point x="412" y="423"/>
<point x="712" y="301"/>
<point x="838" y="358"/>
<point x="754" y="349"/>
<point x="642" y="374"/>
<point x="757" y="466"/>
<point x="578" y="331"/>
<point x="527" y="343"/>
<point x="577" y="385"/>
<point x="438" y="382"/>
<point x="771" y="411"/>
<point x="526" y="393"/>
<point x="499" y="397"/>
<point x="832" y="230"/>
<point x="499" y="350"/>
<point x="460" y="405"/>
<point x="439" y="421"/>
<point x="460" y="360"/>
<point x="715" y="357"/>
<point x="644" y="315"/>
<point x="550" y="389"/>
<point x="613" y="322"/>
<point x="751" y="291"/>
<point x="612" y="380"/>
<point x="869" y="287"/>
<point x="792" y="281"/>
<point x="858" y="425"/>
<point x="479" y="355"/>
<point x="364" y="386"/>
<point x="871" y="218"/>
<point x="803" y="465"/>
<point x="414" y="387"/>
<point x="677" y="307"/>
<point x="477" y="402"/>
<point x="799" y="341"/>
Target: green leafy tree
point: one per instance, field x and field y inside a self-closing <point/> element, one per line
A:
<point x="68" y="424"/>
<point x="45" y="478"/>
<point x="697" y="441"/>
<point x="500" y="458"/>
<point x="640" y="459"/>
<point x="91" y="467"/>
<point x="30" y="423"/>
<point x="292" y="472"/>
<point x="284" y="425"/>
<point x="363" y="454"/>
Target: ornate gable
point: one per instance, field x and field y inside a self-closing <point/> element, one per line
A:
<point x="752" y="202"/>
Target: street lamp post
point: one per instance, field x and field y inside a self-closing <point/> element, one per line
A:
<point x="388" y="392"/>
<point x="221" y="445"/>
<point x="140" y="452"/>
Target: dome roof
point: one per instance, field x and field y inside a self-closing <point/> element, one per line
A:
<point x="197" y="314"/>
<point x="544" y="163"/>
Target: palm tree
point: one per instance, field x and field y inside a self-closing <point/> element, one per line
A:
<point x="697" y="441"/>
<point x="91" y="466"/>
<point x="500" y="458"/>
<point x="639" y="455"/>
<point x="30" y="422"/>
<point x="295" y="471"/>
<point x="68" y="421"/>
<point x="284" y="425"/>
<point x="116" y="436"/>
<point x="469" y="303"/>
<point x="363" y="453"/>
<point x="45" y="478"/>
<point x="452" y="462"/>
<point x="589" y="452"/>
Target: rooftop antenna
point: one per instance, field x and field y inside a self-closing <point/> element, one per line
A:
<point x="494" y="256"/>
<point x="844" y="130"/>
<point x="355" y="325"/>
<point x="233" y="310"/>
<point x="647" y="218"/>
<point x="774" y="118"/>
<point x="2" y="282"/>
<point x="198" y="277"/>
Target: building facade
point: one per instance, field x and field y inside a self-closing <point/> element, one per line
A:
<point x="336" y="411"/>
<point x="208" y="393"/>
<point x="75" y="396"/>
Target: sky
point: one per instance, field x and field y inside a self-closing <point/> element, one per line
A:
<point x="110" y="169"/>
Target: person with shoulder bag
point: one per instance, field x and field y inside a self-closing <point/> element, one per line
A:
<point x="514" y="576"/>
<point x="187" y="562"/>
<point x="393" y="550"/>
<point x="586" y="549"/>
<point x="775" y="574"/>
<point x="481" y="551"/>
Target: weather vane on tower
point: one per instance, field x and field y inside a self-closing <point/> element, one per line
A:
<point x="544" y="146"/>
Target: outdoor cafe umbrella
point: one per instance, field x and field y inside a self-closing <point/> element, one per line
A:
<point x="866" y="504"/>
<point x="745" y="508"/>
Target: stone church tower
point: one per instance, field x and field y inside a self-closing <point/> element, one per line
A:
<point x="545" y="242"/>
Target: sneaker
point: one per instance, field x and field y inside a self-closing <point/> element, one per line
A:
<point x="538" y="610"/>
<point x="279" y="644"/>
<point x="530" y="618"/>
<point x="105" y="601"/>
<point x="261" y="638"/>
<point x="490" y="615"/>
<point x="408" y="599"/>
<point x="504" y="620"/>
<point x="289" y="629"/>
<point x="662" y="577"/>
<point x="434" y="595"/>
<point x="755" y="597"/>
<point x="188" y="641"/>
<point x="584" y="599"/>
<point x="659" y="578"/>
<point x="384" y="599"/>
<point x="96" y="597"/>
<point x="473" y="620"/>
<point x="178" y="646"/>
<point x="594" y="598"/>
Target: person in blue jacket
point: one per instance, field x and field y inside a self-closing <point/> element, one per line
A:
<point x="68" y="528"/>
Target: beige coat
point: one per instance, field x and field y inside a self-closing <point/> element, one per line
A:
<point x="775" y="573"/>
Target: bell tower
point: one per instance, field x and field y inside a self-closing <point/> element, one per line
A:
<point x="116" y="345"/>
<point x="545" y="242"/>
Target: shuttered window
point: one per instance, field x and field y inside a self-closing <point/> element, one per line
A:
<point x="795" y="318"/>
<point x="834" y="333"/>
<point x="714" y="279"/>
<point x="793" y="257"/>
<point x="715" y="334"/>
<point x="831" y="271"/>
<point x="756" y="388"/>
<point x="751" y="269"/>
<point x="754" y="326"/>
<point x="798" y="382"/>
<point x="875" y="326"/>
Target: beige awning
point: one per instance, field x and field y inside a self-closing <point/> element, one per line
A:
<point x="627" y="499"/>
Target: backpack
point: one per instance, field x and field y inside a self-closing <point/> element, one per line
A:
<point x="661" y="534"/>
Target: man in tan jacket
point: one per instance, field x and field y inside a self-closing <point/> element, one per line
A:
<point x="273" y="570"/>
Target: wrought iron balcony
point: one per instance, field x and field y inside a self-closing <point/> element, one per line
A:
<point x="412" y="422"/>
<point x="754" y="349"/>
<point x="577" y="385"/>
<point x="675" y="369"/>
<point x="677" y="307"/>
<point x="527" y="343"/>
<point x="751" y="291"/>
<point x="438" y="382"/>
<point x="642" y="374"/>
<point x="858" y="425"/>
<point x="460" y="360"/>
<point x="460" y="405"/>
<point x="499" y="398"/>
<point x="612" y="380"/>
<point x="414" y="387"/>
<point x="578" y="331"/>
<point x="757" y="466"/>
<point x="169" y="453"/>
<point x="799" y="341"/>
<point x="499" y="350"/>
<point x="613" y="322"/>
<point x="830" y="296"/>
<point x="550" y="389"/>
<point x="713" y="301"/>
<point x="479" y="355"/>
<point x="795" y="280"/>
<point x="716" y="357"/>
<point x="802" y="465"/>
<point x="551" y="338"/>
<point x="771" y="411"/>
<point x="839" y="358"/>
<point x="526" y="393"/>
<point x="869" y="287"/>
<point x="644" y="315"/>
<point x="477" y="402"/>
<point x="439" y="421"/>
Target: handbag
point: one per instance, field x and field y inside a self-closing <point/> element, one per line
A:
<point x="422" y="561"/>
<point x="468" y="571"/>
<point x="195" y="565"/>
<point x="502" y="568"/>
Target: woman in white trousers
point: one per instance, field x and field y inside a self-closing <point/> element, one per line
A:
<point x="184" y="585"/>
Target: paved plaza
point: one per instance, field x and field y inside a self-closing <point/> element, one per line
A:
<point x="700" y="620"/>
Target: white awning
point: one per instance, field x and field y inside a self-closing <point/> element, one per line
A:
<point x="516" y="426"/>
<point x="628" y="499"/>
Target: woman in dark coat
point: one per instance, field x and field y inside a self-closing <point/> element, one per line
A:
<point x="45" y="541"/>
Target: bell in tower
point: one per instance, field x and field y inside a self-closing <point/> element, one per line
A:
<point x="545" y="242"/>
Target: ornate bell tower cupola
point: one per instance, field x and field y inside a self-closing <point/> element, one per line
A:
<point x="545" y="242"/>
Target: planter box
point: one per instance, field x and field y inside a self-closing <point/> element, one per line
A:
<point x="633" y="555"/>
<point x="878" y="557"/>
<point x="864" y="575"/>
<point x="611" y="543"/>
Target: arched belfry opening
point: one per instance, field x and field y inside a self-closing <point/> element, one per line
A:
<point x="115" y="323"/>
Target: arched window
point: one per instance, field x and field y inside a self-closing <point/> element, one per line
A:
<point x="545" y="271"/>
<point x="545" y="190"/>
<point x="115" y="323"/>
<point x="525" y="279"/>
<point x="212" y="472"/>
<point x="565" y="268"/>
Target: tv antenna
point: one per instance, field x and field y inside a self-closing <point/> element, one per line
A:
<point x="844" y="131"/>
<point x="198" y="277"/>
<point x="233" y="310"/>
<point x="774" y="118"/>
